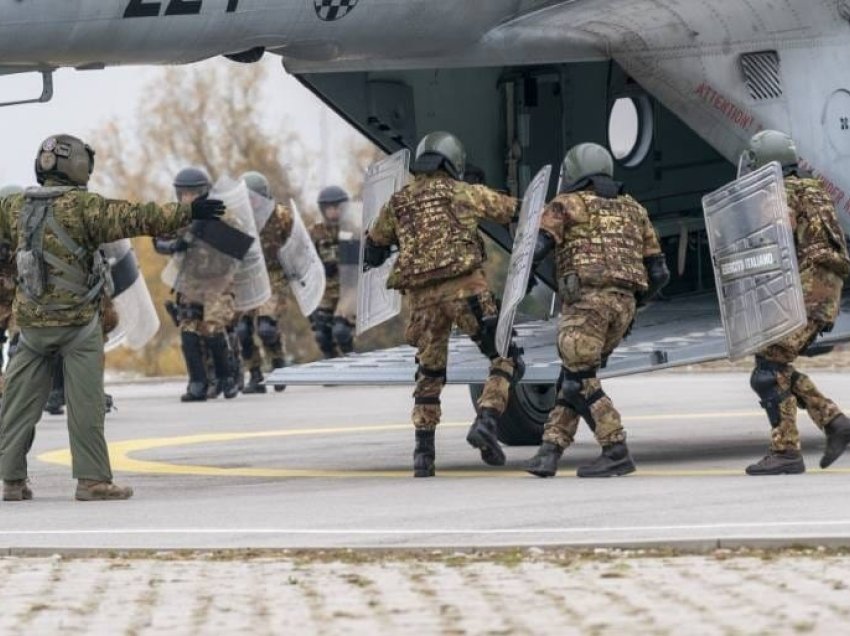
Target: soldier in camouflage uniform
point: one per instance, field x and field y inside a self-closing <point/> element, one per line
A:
<point x="824" y="265"/>
<point x="203" y="328"/>
<point x="264" y="323"/>
<point x="607" y="252"/>
<point x="56" y="231"/>
<point x="7" y="285"/>
<point x="332" y="330"/>
<point x="434" y="223"/>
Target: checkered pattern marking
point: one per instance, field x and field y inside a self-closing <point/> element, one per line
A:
<point x="330" y="10"/>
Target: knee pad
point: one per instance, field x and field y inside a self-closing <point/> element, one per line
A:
<point x="325" y="340"/>
<point x="571" y="393"/>
<point x="245" y="329"/>
<point x="321" y="320"/>
<point x="764" y="382"/>
<point x="267" y="331"/>
<point x="342" y="334"/>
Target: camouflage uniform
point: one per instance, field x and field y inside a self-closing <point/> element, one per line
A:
<point x="90" y="220"/>
<point x="7" y="298"/>
<point x="330" y="328"/>
<point x="434" y="222"/>
<point x="261" y="327"/>
<point x="601" y="244"/>
<point x="824" y="264"/>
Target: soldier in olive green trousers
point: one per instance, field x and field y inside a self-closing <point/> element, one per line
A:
<point x="56" y="231"/>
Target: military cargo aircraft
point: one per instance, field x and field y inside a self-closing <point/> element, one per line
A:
<point x="520" y="81"/>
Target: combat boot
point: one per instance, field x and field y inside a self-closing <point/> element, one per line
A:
<point x="424" y="454"/>
<point x="195" y="392"/>
<point x="55" y="402"/>
<point x="545" y="462"/>
<point x="614" y="461"/>
<point x="255" y="383"/>
<point x="837" y="438"/>
<point x="482" y="435"/>
<point x="93" y="490"/>
<point x="278" y="363"/>
<point x="228" y="387"/>
<point x="213" y="389"/>
<point x="17" y="490"/>
<point x="789" y="462"/>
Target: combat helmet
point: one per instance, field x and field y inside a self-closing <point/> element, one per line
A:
<point x="440" y="151"/>
<point x="767" y="146"/>
<point x="64" y="158"/>
<point x="257" y="183"/>
<point x="192" y="180"/>
<point x="332" y="195"/>
<point x="584" y="161"/>
<point x="9" y="190"/>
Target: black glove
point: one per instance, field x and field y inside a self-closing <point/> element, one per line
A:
<point x="205" y="209"/>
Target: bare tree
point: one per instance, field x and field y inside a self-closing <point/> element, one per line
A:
<point x="210" y="115"/>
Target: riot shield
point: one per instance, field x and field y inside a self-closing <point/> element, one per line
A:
<point x="350" y="236"/>
<point x="375" y="303"/>
<point x="216" y="250"/>
<point x="137" y="318"/>
<point x="302" y="266"/>
<point x="755" y="261"/>
<point x="522" y="254"/>
<point x="251" y="285"/>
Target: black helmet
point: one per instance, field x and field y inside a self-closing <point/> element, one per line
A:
<point x="332" y="195"/>
<point x="192" y="180"/>
<point x="64" y="158"/>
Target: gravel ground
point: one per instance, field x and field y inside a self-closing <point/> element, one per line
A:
<point x="509" y="592"/>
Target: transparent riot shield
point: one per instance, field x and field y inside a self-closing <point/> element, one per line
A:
<point x="302" y="266"/>
<point x="755" y="261"/>
<point x="216" y="249"/>
<point x="138" y="322"/>
<point x="251" y="285"/>
<point x="522" y="254"/>
<point x="375" y="303"/>
<point x="263" y="208"/>
<point x="350" y="237"/>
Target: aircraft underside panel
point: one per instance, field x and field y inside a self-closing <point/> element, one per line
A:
<point x="666" y="335"/>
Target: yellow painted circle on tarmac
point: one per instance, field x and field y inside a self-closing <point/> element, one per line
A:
<point x="120" y="454"/>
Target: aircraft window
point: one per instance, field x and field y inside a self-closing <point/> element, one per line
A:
<point x="630" y="130"/>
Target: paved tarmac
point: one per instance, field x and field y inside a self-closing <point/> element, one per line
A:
<point x="329" y="467"/>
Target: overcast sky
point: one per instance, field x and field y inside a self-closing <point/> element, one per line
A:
<point x="83" y="100"/>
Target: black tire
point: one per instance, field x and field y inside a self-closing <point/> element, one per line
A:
<point x="528" y="407"/>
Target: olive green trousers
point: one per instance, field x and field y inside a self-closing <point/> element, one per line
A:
<point x="28" y="381"/>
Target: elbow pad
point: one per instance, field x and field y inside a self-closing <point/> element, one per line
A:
<point x="374" y="255"/>
<point x="658" y="275"/>
<point x="545" y="244"/>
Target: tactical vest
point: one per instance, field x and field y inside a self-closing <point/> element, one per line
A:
<point x="327" y="243"/>
<point x="605" y="248"/>
<point x="39" y="269"/>
<point x="434" y="243"/>
<point x="818" y="235"/>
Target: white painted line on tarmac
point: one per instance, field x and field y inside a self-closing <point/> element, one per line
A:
<point x="440" y="531"/>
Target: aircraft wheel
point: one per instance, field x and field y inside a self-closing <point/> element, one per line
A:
<point x="523" y="420"/>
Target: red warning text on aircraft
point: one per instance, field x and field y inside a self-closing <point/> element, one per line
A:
<point x="727" y="108"/>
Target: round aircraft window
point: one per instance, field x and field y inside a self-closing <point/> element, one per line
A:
<point x="630" y="130"/>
